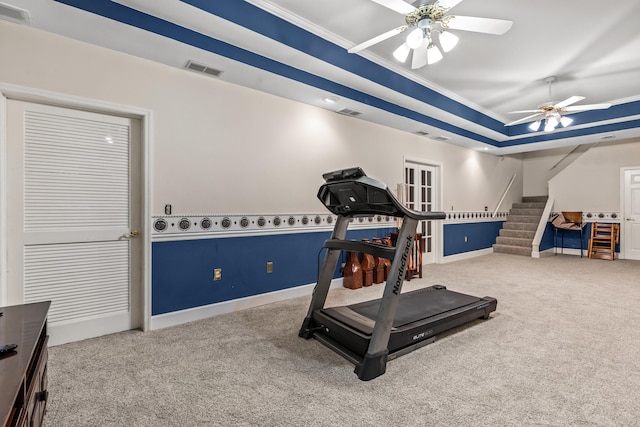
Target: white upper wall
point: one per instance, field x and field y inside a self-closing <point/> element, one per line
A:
<point x="592" y="182"/>
<point x="538" y="170"/>
<point x="222" y="148"/>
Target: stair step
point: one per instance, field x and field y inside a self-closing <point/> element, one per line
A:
<point x="529" y="205"/>
<point x="534" y="219"/>
<point x="514" y="250"/>
<point x="527" y="211"/>
<point x="512" y="225"/>
<point x="535" y="199"/>
<point x="520" y="234"/>
<point x="514" y="241"/>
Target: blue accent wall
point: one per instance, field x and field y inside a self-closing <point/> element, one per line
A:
<point x="182" y="270"/>
<point x="571" y="239"/>
<point x="547" y="240"/>
<point x="480" y="235"/>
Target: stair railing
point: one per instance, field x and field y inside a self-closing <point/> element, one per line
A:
<point x="495" y="212"/>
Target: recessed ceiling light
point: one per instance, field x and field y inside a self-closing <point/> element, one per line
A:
<point x="331" y="99"/>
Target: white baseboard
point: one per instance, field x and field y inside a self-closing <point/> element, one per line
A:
<point x="466" y="255"/>
<point x="203" y="312"/>
<point x="569" y="251"/>
<point x="64" y="332"/>
<point x="576" y="252"/>
<point x="546" y="253"/>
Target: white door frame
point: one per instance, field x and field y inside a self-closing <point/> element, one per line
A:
<point x="438" y="242"/>
<point x="623" y="222"/>
<point x="22" y="93"/>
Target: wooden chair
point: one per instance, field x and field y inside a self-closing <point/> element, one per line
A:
<point x="604" y="237"/>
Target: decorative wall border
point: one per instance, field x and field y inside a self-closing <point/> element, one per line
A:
<point x="234" y="224"/>
<point x="208" y="225"/>
<point x="475" y="216"/>
<point x="596" y="216"/>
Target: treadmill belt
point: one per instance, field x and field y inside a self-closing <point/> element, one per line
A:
<point x="417" y="305"/>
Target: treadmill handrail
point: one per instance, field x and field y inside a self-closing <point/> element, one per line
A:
<point x="351" y="193"/>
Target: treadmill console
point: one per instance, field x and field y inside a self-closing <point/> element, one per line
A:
<point x="350" y="192"/>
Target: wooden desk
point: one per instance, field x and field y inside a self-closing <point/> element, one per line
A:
<point x="23" y="373"/>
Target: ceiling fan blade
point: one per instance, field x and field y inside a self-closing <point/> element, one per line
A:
<point x="569" y="101"/>
<point x="526" y="119"/>
<point x="480" y="25"/>
<point x="419" y="59"/>
<point x="377" y="39"/>
<point x="524" y="111"/>
<point x="397" y="5"/>
<point x="577" y="108"/>
<point x="448" y="4"/>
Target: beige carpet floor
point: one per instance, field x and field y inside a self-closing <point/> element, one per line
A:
<point x="562" y="349"/>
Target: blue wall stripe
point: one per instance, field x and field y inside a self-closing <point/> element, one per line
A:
<point x="258" y="20"/>
<point x="571" y="239"/>
<point x="182" y="271"/>
<point x="271" y="26"/>
<point x="181" y="34"/>
<point x="551" y="136"/>
<point x="479" y="235"/>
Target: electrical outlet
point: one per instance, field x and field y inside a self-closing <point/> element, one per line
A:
<point x="465" y="239"/>
<point x="217" y="274"/>
<point x="269" y="267"/>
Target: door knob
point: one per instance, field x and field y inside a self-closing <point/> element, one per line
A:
<point x="133" y="233"/>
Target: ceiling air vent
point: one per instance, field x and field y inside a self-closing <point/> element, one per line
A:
<point x="194" y="66"/>
<point x="14" y="14"/>
<point x="440" y="138"/>
<point x="348" y="112"/>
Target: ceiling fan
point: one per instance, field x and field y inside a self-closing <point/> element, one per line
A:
<point x="429" y="37"/>
<point x="555" y="114"/>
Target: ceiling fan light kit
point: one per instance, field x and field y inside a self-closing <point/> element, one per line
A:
<point x="429" y="38"/>
<point x="448" y="41"/>
<point x="555" y="114"/>
<point x="402" y="52"/>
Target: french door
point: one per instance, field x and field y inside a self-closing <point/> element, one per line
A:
<point x="631" y="218"/>
<point x="421" y="194"/>
<point x="73" y="196"/>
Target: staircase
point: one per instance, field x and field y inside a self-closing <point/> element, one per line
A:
<point x="516" y="235"/>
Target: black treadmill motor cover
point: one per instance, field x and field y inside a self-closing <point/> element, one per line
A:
<point x="350" y="192"/>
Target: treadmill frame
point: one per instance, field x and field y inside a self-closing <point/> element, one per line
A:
<point x="350" y="193"/>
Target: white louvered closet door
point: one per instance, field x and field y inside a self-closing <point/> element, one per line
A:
<point x="71" y="217"/>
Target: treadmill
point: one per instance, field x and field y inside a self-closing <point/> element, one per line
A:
<point x="371" y="333"/>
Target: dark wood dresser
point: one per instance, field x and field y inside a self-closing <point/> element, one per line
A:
<point x="23" y="373"/>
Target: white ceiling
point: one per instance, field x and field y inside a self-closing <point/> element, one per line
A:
<point x="297" y="49"/>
